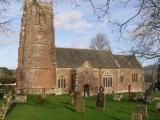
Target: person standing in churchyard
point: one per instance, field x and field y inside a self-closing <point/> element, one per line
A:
<point x="100" y="102"/>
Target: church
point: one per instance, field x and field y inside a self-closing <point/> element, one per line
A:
<point x="85" y="70"/>
<point x="42" y="66"/>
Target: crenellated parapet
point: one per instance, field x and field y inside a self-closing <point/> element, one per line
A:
<point x="49" y="2"/>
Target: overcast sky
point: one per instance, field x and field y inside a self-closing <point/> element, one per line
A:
<point x="74" y="28"/>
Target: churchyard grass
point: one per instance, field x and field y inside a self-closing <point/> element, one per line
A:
<point x="60" y="108"/>
<point x="156" y="94"/>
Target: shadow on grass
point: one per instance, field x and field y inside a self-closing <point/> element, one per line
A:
<point x="123" y="112"/>
<point x="64" y="103"/>
<point x="115" y="118"/>
<point x="91" y="107"/>
<point x="69" y="108"/>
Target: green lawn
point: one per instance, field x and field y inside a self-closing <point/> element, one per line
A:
<point x="59" y="108"/>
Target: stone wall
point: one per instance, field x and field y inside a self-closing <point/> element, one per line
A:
<point x="66" y="72"/>
<point x="86" y="77"/>
<point x="127" y="73"/>
<point x="94" y="81"/>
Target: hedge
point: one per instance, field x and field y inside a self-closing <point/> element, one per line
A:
<point x="7" y="80"/>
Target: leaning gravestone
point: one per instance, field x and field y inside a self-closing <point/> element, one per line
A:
<point x="143" y="110"/>
<point x="136" y="116"/>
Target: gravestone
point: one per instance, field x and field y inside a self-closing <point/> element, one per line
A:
<point x="132" y="96"/>
<point x="117" y="97"/>
<point x="79" y="104"/>
<point x="143" y="110"/>
<point x="74" y="97"/>
<point x="20" y="99"/>
<point x="39" y="100"/>
<point x="158" y="107"/>
<point x="136" y="116"/>
<point x="100" y="102"/>
<point x="148" y="93"/>
<point x="43" y="93"/>
<point x="129" y="92"/>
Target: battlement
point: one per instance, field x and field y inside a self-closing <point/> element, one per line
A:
<point x="49" y="2"/>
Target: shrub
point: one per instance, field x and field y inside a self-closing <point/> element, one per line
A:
<point x="7" y="80"/>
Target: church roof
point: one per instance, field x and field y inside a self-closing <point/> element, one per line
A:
<point x="73" y="58"/>
<point x="127" y="61"/>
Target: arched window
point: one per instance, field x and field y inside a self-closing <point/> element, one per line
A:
<point x="134" y="77"/>
<point x="107" y="80"/>
<point x="61" y="81"/>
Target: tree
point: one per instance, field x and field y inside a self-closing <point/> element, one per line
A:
<point x="3" y="20"/>
<point x="146" y="21"/>
<point x="100" y="42"/>
<point x="6" y="72"/>
<point x="147" y="32"/>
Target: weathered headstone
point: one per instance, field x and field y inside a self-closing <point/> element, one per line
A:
<point x="74" y="97"/>
<point x="158" y="107"/>
<point x="117" y="97"/>
<point x="40" y="100"/>
<point x="129" y="92"/>
<point x="79" y="103"/>
<point x="132" y="96"/>
<point x="20" y="98"/>
<point x="136" y="116"/>
<point x="43" y="93"/>
<point x="147" y="93"/>
<point x="100" y="102"/>
<point x="143" y="110"/>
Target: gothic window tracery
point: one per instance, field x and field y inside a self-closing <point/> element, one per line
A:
<point x="107" y="79"/>
<point x="61" y="81"/>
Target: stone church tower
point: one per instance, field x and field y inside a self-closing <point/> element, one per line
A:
<point x="36" y="57"/>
